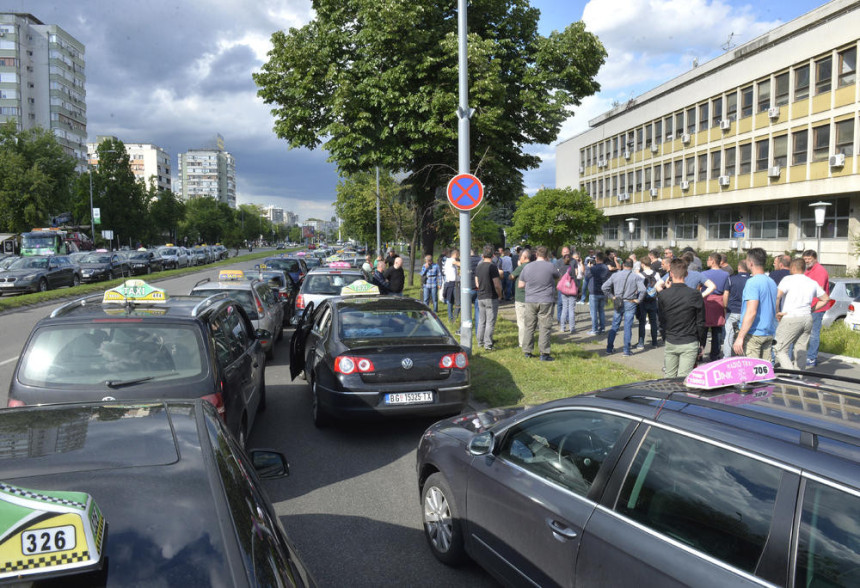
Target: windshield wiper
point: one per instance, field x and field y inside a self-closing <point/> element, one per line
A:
<point x="121" y="383"/>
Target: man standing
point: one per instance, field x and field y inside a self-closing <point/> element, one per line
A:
<point x="378" y="278"/>
<point x="715" y="308"/>
<point x="682" y="322"/>
<point x="780" y="268"/>
<point x="655" y="262"/>
<point x="451" y="293"/>
<point x="538" y="278"/>
<point x="520" y="295"/>
<point x="506" y="266"/>
<point x="395" y="277"/>
<point x="389" y="259"/>
<point x="431" y="276"/>
<point x="817" y="272"/>
<point x="489" y="287"/>
<point x="596" y="275"/>
<point x="630" y="288"/>
<point x="733" y="297"/>
<point x="796" y="292"/>
<point x="758" y="315"/>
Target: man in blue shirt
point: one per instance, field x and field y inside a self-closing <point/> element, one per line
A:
<point x="431" y="277"/>
<point x="733" y="297"/>
<point x="758" y="314"/>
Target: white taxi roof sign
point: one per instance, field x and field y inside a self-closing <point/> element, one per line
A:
<point x="359" y="287"/>
<point x="134" y="291"/>
<point x="231" y="275"/>
<point x="731" y="371"/>
<point x="48" y="532"/>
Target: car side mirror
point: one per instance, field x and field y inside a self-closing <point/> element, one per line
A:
<point x="263" y="334"/>
<point x="481" y="444"/>
<point x="269" y="464"/>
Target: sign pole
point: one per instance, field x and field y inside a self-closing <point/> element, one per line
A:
<point x="465" y="114"/>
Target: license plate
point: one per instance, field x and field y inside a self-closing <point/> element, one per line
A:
<point x="48" y="540"/>
<point x="409" y="398"/>
<point x="6" y="284"/>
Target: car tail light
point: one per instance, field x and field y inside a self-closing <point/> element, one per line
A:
<point x="217" y="401"/>
<point x="454" y="360"/>
<point x="346" y="365"/>
<point x="300" y="301"/>
<point x="259" y="303"/>
<point x="13" y="403"/>
<point x="283" y="295"/>
<point x="850" y="308"/>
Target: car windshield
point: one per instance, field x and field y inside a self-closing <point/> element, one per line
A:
<point x="96" y="258"/>
<point x="168" y="251"/>
<point x="243" y="297"/>
<point x="141" y="256"/>
<point x="328" y="284"/>
<point x="313" y="261"/>
<point x="287" y="265"/>
<point x="29" y="263"/>
<point x="361" y="323"/>
<point x="109" y="354"/>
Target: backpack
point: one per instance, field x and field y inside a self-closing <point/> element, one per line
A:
<point x="650" y="284"/>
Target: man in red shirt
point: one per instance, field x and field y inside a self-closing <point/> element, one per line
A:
<point x="817" y="272"/>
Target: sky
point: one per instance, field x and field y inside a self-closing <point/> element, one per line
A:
<point x="177" y="72"/>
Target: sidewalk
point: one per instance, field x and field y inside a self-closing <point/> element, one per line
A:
<point x="650" y="360"/>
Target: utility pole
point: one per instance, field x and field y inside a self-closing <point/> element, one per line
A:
<point x="465" y="114"/>
<point x="378" y="230"/>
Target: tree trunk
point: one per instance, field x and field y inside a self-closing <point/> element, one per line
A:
<point x="414" y="247"/>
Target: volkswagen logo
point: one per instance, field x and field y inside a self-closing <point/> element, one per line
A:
<point x="406" y="363"/>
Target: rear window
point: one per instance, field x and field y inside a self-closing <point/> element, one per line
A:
<point x="383" y="324"/>
<point x="243" y="297"/>
<point x="91" y="354"/>
<point x="287" y="265"/>
<point x="327" y="284"/>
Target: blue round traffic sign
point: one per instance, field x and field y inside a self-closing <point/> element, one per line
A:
<point x="740" y="227"/>
<point x="465" y="192"/>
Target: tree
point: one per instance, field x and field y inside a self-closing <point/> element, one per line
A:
<point x="554" y="217"/>
<point x="207" y="221"/>
<point x="35" y="175"/>
<point x="378" y="86"/>
<point x="166" y="211"/>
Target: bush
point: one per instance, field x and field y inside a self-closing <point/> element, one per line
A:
<point x="838" y="339"/>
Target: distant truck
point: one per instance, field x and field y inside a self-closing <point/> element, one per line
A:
<point x="46" y="242"/>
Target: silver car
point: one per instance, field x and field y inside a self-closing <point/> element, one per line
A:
<point x="174" y="257"/>
<point x="843" y="291"/>
<point x="322" y="283"/>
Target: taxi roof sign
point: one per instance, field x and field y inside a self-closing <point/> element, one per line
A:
<point x="135" y="291"/>
<point x="359" y="287"/>
<point x="339" y="265"/>
<point x="731" y="371"/>
<point x="48" y="532"/>
<point x="231" y="276"/>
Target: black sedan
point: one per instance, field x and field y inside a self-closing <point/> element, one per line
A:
<point x="182" y="502"/>
<point x="144" y="262"/>
<point x="102" y="265"/>
<point x="378" y="355"/>
<point x="39" y="273"/>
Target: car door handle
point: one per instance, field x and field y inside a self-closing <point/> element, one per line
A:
<point x="561" y="531"/>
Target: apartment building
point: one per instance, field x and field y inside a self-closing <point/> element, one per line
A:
<point x="755" y="136"/>
<point x="149" y="163"/>
<point x="208" y="172"/>
<point x="42" y="80"/>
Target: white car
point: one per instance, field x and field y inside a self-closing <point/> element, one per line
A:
<point x="852" y="319"/>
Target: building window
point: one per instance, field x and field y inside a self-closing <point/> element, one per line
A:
<point x="615" y="185"/>
<point x="703" y="117"/>
<point x="629" y="181"/>
<point x="800" y="147"/>
<point x="746" y="157"/>
<point x="763" y="95"/>
<point x="769" y="221"/>
<point x="610" y="230"/>
<point x="658" y="132"/>
<point x="821" y="143"/>
<point x="647" y="178"/>
<point x="731" y="158"/>
<point x="639" y="134"/>
<point x="718" y="112"/>
<point x="691" y="120"/>
<point x="835" y="219"/>
<point x="687" y="225"/>
<point x="746" y="102"/>
<point x="823" y="75"/>
<point x="801" y="83"/>
<point x="847" y="72"/>
<point x="690" y="165"/>
<point x="630" y="139"/>
<point x="679" y="171"/>
<point x="658" y="227"/>
<point x="638" y="180"/>
<point x="658" y="179"/>
<point x="600" y="188"/>
<point x="648" y="133"/>
<point x="679" y="125"/>
<point x="667" y="174"/>
<point x="845" y="137"/>
<point x="615" y="141"/>
<point x="716" y="157"/>
<point x="721" y="222"/>
<point x="732" y="106"/>
<point x="703" y="167"/>
<point x="762" y="153"/>
<point x="780" y="150"/>
<point x="781" y="83"/>
<point x="668" y="134"/>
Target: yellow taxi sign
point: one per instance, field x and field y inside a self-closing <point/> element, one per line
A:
<point x="359" y="287"/>
<point x="135" y="291"/>
<point x="46" y="532"/>
<point x="231" y="275"/>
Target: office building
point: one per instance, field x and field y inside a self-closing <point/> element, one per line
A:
<point x="209" y="172"/>
<point x="274" y="214"/>
<point x="149" y="163"/>
<point x="42" y="80"/>
<point x="754" y="136"/>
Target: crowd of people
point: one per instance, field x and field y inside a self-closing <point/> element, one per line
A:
<point x="680" y="302"/>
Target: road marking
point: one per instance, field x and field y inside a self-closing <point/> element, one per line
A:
<point x="5" y="361"/>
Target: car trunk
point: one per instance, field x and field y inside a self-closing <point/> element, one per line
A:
<point x="389" y="359"/>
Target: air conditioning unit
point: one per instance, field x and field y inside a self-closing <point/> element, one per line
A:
<point x="654" y="192"/>
<point x="725" y="124"/>
<point x="799" y="245"/>
<point x="601" y="163"/>
<point x="622" y="196"/>
<point x="626" y="154"/>
<point x="733" y="244"/>
<point x="621" y="244"/>
<point x="2" y="33"/>
<point x="655" y="148"/>
<point x="685" y="138"/>
<point x="837" y="160"/>
<point x="724" y="180"/>
<point x="685" y="185"/>
<point x="773" y="172"/>
<point x="773" y="112"/>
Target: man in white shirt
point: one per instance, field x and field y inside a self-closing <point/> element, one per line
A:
<point x="796" y="291"/>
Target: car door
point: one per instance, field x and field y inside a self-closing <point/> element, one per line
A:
<point x="230" y="370"/>
<point x="315" y="341"/>
<point x="243" y="341"/>
<point x="54" y="273"/>
<point x="528" y="502"/>
<point x="297" y="342"/>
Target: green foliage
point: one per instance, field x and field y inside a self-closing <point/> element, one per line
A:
<point x="840" y="340"/>
<point x="554" y="217"/>
<point x="208" y="221"/>
<point x="166" y="211"/>
<point x="35" y="175"/>
<point x="295" y="234"/>
<point x="356" y="207"/>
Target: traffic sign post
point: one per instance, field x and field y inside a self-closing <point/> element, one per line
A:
<point x="465" y="192"/>
<point x="739" y="231"/>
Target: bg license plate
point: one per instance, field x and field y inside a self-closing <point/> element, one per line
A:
<point x="409" y="398"/>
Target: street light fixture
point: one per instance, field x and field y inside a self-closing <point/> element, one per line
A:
<point x="631" y="226"/>
<point x="820" y="209"/>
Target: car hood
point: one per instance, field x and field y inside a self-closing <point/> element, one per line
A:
<point x="94" y="265"/>
<point x="23" y="272"/>
<point x="477" y="421"/>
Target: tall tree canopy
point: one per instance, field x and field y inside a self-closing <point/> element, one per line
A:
<point x="554" y="217"/>
<point x="376" y="83"/>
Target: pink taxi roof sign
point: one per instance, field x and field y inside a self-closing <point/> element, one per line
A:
<point x="340" y="265"/>
<point x="729" y="372"/>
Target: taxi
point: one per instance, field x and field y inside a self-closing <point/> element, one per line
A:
<point x="135" y="342"/>
<point x="138" y="494"/>
<point x="259" y="301"/>
<point x="281" y="283"/>
<point x="738" y="475"/>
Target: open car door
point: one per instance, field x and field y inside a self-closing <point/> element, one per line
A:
<point x="297" y="342"/>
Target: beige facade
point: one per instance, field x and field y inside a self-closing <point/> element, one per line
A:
<point x="754" y="136"/>
<point x="149" y="163"/>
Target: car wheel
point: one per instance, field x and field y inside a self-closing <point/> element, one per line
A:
<point x="261" y="407"/>
<point x="442" y="526"/>
<point x="321" y="418"/>
<point x="43" y="285"/>
<point x="76" y="281"/>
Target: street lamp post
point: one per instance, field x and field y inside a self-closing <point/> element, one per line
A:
<point x="92" y="219"/>
<point x="631" y="227"/>
<point x="820" y="209"/>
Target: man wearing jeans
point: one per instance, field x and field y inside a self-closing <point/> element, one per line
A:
<point x="817" y="272"/>
<point x="538" y="278"/>
<point x="796" y="291"/>
<point x="431" y="275"/>
<point x="596" y="274"/>
<point x="733" y="297"/>
<point x="489" y="287"/>
<point x="682" y="322"/>
<point x="758" y="314"/>
<point x="630" y="288"/>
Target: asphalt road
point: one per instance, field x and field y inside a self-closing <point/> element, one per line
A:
<point x="350" y="504"/>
